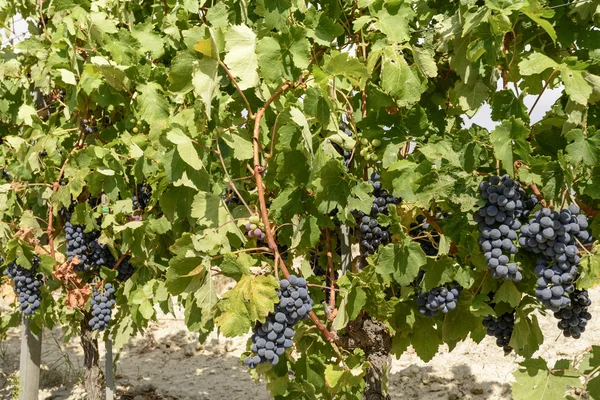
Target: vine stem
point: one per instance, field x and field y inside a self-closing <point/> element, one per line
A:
<point x="49" y="230"/>
<point x="232" y="79"/>
<point x="438" y="229"/>
<point x="330" y="267"/>
<point x="229" y="178"/>
<point x="542" y="92"/>
<point x="258" y="169"/>
<point x="538" y="194"/>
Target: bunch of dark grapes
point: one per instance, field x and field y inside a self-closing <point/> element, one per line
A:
<point x="77" y="245"/>
<point x="423" y="233"/>
<point x="231" y="198"/>
<point x="271" y="339"/>
<point x="102" y="304"/>
<point x="372" y="235"/>
<point x="498" y="225"/>
<point x="66" y="212"/>
<point x="5" y="174"/>
<point x="554" y="235"/>
<point x="141" y="197"/>
<point x="501" y="328"/>
<point x="99" y="253"/>
<point x="528" y="206"/>
<point x="125" y="270"/>
<point x="86" y="246"/>
<point x="438" y="299"/>
<point x="27" y="284"/>
<point x="554" y="284"/>
<point x="89" y="127"/>
<point x="574" y="318"/>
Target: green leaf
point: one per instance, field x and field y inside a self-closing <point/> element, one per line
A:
<point x="300" y="119"/>
<point x="315" y="105"/>
<point x="536" y="63"/>
<point x="475" y="19"/>
<point x="26" y="114"/>
<point x="425" y="61"/>
<point x="67" y="76"/>
<point x="394" y="22"/>
<point x="341" y="64"/>
<point x="234" y="266"/>
<point x="578" y="89"/>
<point x="508" y="293"/>
<point x="326" y="30"/>
<point x="339" y="378"/>
<point x="534" y="380"/>
<point x="510" y="140"/>
<point x="401" y="261"/>
<point x="151" y="102"/>
<point x="546" y="25"/>
<point x="275" y="12"/>
<point x="331" y="189"/>
<point x="250" y="300"/>
<point x="185" y="274"/>
<point x="150" y="42"/>
<point x="527" y="336"/>
<point x="241" y="146"/>
<point x="240" y="45"/>
<point x="205" y="81"/>
<point x="586" y="148"/>
<point x="306" y="232"/>
<point x="180" y="74"/>
<point x="400" y="80"/>
<point x="426" y="339"/>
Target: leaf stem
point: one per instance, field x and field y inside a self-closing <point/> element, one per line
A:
<point x="330" y="268"/>
<point x="232" y="79"/>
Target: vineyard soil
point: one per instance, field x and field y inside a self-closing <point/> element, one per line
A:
<point x="167" y="363"/>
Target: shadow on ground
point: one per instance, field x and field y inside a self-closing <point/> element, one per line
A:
<point x="423" y="383"/>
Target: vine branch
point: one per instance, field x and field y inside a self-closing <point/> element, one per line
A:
<point x="232" y="79"/>
<point x="258" y="169"/>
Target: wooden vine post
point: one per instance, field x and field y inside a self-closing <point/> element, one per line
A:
<point x="31" y="357"/>
<point x="108" y="370"/>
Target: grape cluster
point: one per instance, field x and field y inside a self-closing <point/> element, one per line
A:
<point x="5" y="174"/>
<point x="102" y="304"/>
<point x="501" y="328"/>
<point x="554" y="284"/>
<point x="86" y="246"/>
<point x="77" y="245"/>
<point x="438" y="299"/>
<point x="141" y="197"/>
<point x="498" y="225"/>
<point x="346" y="153"/>
<point x="574" y="318"/>
<point x="553" y="234"/>
<point x="89" y="127"/>
<point x="372" y="235"/>
<point x="528" y="206"/>
<point x="253" y="229"/>
<point x="271" y="339"/>
<point x="423" y="233"/>
<point x="27" y="284"/>
<point x="125" y="270"/>
<point x="99" y="253"/>
<point x="231" y="198"/>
